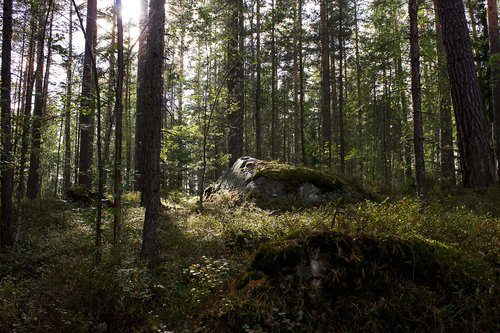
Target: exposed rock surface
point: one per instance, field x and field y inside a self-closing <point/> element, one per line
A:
<point x="280" y="186"/>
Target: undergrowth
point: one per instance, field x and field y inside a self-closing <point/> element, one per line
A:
<point x="52" y="283"/>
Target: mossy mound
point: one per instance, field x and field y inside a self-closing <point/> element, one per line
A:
<point x="331" y="282"/>
<point x="277" y="186"/>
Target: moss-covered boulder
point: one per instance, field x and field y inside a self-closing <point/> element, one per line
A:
<point x="334" y="282"/>
<point x="273" y="185"/>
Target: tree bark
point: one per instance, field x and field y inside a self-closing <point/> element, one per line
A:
<point x="152" y="126"/>
<point x="7" y="170"/>
<point x="418" y="129"/>
<point x="117" y="221"/>
<point x="258" y="89"/>
<point x="67" y="106"/>
<point x="326" y="122"/>
<point x="87" y="112"/>
<point x="274" y="83"/>
<point x="494" y="41"/>
<point x="477" y="168"/>
<point x="33" y="184"/>
<point x="446" y="125"/>
<point x="140" y="100"/>
<point x="341" y="88"/>
<point x="234" y="67"/>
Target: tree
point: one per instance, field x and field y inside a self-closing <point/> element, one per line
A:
<point x="33" y="184"/>
<point x="153" y="69"/>
<point x="87" y="112"/>
<point x="494" y="40"/>
<point x="326" y="124"/>
<point x="477" y="169"/>
<point x="6" y="163"/>
<point x="234" y="68"/>
<point x="118" y="129"/>
<point x="140" y="102"/>
<point x="418" y="131"/>
<point x="258" y="87"/>
<point x="67" y="108"/>
<point x="446" y="125"/>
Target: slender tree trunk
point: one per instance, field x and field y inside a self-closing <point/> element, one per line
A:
<point x="7" y="170"/>
<point x="326" y="122"/>
<point x="30" y="78"/>
<point x="140" y="100"/>
<point x="118" y="130"/>
<point x="87" y="112"/>
<point x="234" y="68"/>
<point x="477" y="168"/>
<point x="359" y="124"/>
<point x="258" y="89"/>
<point x="152" y="126"/>
<point x="301" y="90"/>
<point x="110" y="108"/>
<point x="341" y="88"/>
<point x="33" y="184"/>
<point x="418" y="131"/>
<point x="446" y="125"/>
<point x="494" y="40"/>
<point x="67" y="106"/>
<point x="274" y="86"/>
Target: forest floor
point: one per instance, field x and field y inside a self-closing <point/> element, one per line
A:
<point x="208" y="278"/>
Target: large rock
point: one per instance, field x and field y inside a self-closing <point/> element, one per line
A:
<point x="280" y="186"/>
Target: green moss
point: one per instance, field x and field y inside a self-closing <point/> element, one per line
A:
<point x="296" y="176"/>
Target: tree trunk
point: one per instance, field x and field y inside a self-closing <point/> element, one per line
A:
<point x="359" y="124"/>
<point x="117" y="221"/>
<point x="477" y="169"/>
<point x="446" y="124"/>
<point x="341" y="88"/>
<point x="67" y="106"/>
<point x="87" y="112"/>
<point x="494" y="40"/>
<point x="258" y="89"/>
<point x="274" y="85"/>
<point x="140" y="102"/>
<point x="326" y="122"/>
<point x="7" y="171"/>
<point x="152" y="126"/>
<point x="110" y="117"/>
<point x="418" y="129"/>
<point x="235" y="117"/>
<point x="33" y="184"/>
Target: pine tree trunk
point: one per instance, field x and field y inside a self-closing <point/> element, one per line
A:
<point x="274" y="85"/>
<point x="418" y="130"/>
<point x="477" y="168"/>
<point x="140" y="102"/>
<point x="359" y="124"/>
<point x="258" y="89"/>
<point x="235" y="117"/>
<point x="326" y="123"/>
<point x="341" y="88"/>
<point x="87" y="112"/>
<point x="117" y="221"/>
<point x="446" y="125"/>
<point x="7" y="171"/>
<point x="67" y="106"/>
<point x="494" y="40"/>
<point x="152" y="127"/>
<point x="33" y="184"/>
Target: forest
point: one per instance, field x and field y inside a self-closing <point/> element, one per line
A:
<point x="250" y="166"/>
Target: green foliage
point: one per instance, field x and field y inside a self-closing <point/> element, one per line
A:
<point x="210" y="277"/>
